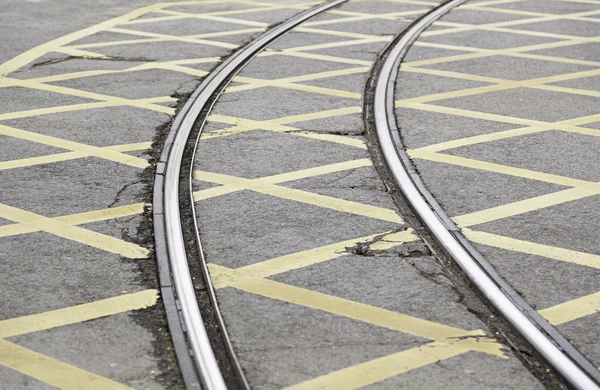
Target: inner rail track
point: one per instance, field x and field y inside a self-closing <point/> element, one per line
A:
<point x="192" y="345"/>
<point x="575" y="369"/>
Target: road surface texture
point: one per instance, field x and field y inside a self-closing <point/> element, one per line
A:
<point x="502" y="123"/>
<point x="322" y="273"/>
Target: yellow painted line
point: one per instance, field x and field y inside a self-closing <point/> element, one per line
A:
<point x="207" y="42"/>
<point x="317" y="115"/>
<point x="188" y="15"/>
<point x="316" y="171"/>
<point x="216" y="18"/>
<point x="138" y="208"/>
<point x="387" y="16"/>
<point x="524" y="206"/>
<point x="305" y="258"/>
<point x="498" y="168"/>
<point x="377" y="370"/>
<point x="76" y="314"/>
<point x="329" y="202"/>
<point x="83" y="106"/>
<point x="81" y="148"/>
<point x="573" y="309"/>
<point x="58" y="157"/>
<point x="335" y="33"/>
<point x="532" y="248"/>
<point x="290" y="83"/>
<point x="84" y="94"/>
<point x="51" y="371"/>
<point x="365" y="313"/>
<point x="38" y="51"/>
<point x="78" y="219"/>
<point x="276" y="125"/>
<point x="40" y="160"/>
<point x="450" y="95"/>
<point x="477" y="139"/>
<point x="81" y="53"/>
<point x="574" y="91"/>
<point x="331" y="45"/>
<point x="214" y="192"/>
<point x="103" y="215"/>
<point x="563" y="126"/>
<point x="74" y="233"/>
<point x="296" y="87"/>
<point x="315" y="56"/>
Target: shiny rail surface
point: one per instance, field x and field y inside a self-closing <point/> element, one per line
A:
<point x="577" y="371"/>
<point x="171" y="253"/>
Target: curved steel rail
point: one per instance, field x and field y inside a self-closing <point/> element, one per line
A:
<point x="544" y="338"/>
<point x="170" y="246"/>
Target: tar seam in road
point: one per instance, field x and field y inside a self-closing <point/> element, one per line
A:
<point x="544" y="338"/>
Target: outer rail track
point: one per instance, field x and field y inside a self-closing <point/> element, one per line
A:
<point x="577" y="371"/>
<point x="192" y="345"/>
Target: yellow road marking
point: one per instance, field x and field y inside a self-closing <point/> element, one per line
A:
<point x="225" y="45"/>
<point x="503" y="169"/>
<point x="38" y="51"/>
<point x="81" y="148"/>
<point x="74" y="233"/>
<point x="84" y="94"/>
<point x="551" y="252"/>
<point x="84" y="106"/>
<point x="51" y="371"/>
<point x="524" y="206"/>
<point x="306" y="258"/>
<point x="75" y="314"/>
<point x="277" y="125"/>
<point x="380" y="369"/>
<point x="573" y="309"/>
<point x="329" y="202"/>
<point x="364" y="313"/>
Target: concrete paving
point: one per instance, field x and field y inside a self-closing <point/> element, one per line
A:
<point x="321" y="282"/>
<point x="514" y="160"/>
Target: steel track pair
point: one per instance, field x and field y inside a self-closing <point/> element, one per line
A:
<point x="193" y="347"/>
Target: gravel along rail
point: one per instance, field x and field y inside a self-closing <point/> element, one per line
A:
<point x="576" y="369"/>
<point x="320" y="283"/>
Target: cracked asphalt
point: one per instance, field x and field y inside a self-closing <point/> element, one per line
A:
<point x="323" y="283"/>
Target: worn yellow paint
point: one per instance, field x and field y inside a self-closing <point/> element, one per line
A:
<point x="77" y="219"/>
<point x="532" y="248"/>
<point x="80" y="313"/>
<point x="573" y="309"/>
<point x="523" y="206"/>
<point x="84" y="106"/>
<point x="277" y="125"/>
<point x="329" y="202"/>
<point x="380" y="369"/>
<point x="81" y="148"/>
<point x="57" y="157"/>
<point x="503" y="169"/>
<point x="306" y="258"/>
<point x="74" y="233"/>
<point x="365" y="313"/>
<point x="38" y="51"/>
<point x="51" y="371"/>
<point x="85" y="94"/>
<point x="166" y="37"/>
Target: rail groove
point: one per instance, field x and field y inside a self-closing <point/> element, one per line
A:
<point x="192" y="346"/>
<point x="576" y="370"/>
